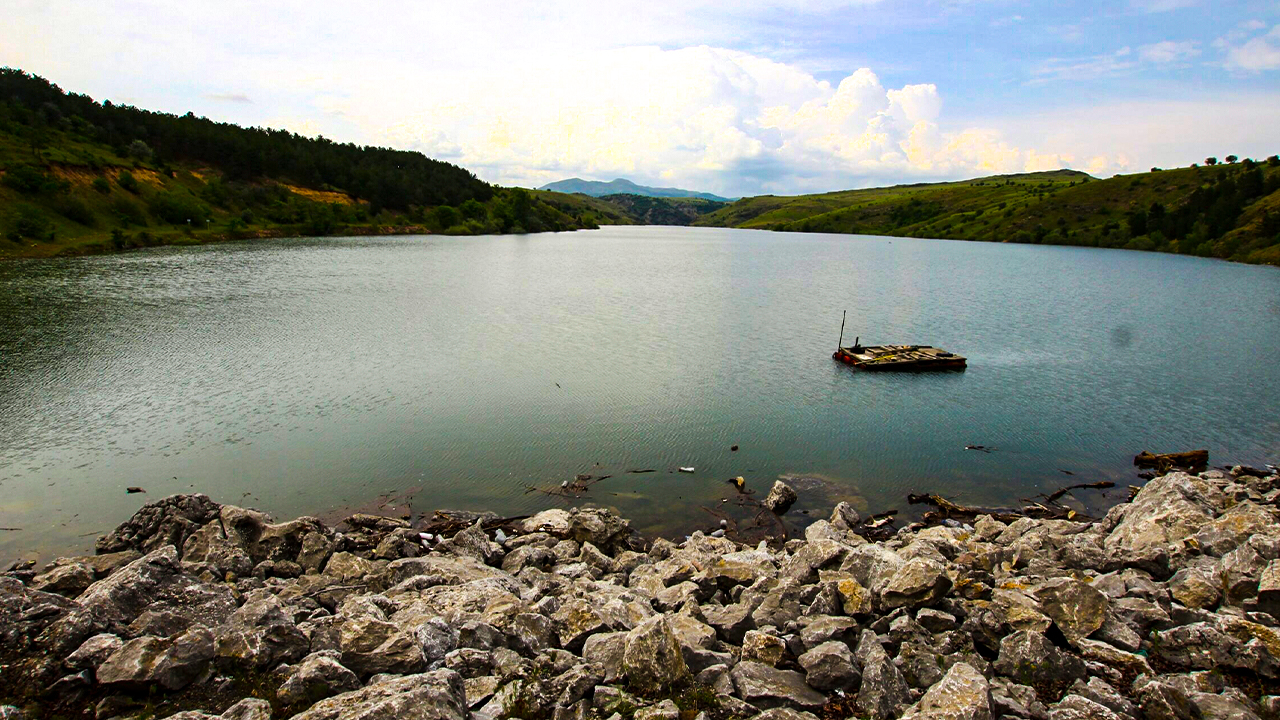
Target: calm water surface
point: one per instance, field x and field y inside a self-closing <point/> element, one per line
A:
<point x="299" y="376"/>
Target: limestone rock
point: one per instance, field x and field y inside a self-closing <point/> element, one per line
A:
<point x="172" y="663"/>
<point x="762" y="647"/>
<point x="317" y="677"/>
<point x="769" y="687"/>
<point x="830" y="666"/>
<point x="963" y="694"/>
<point x="780" y="498"/>
<point x="261" y="634"/>
<point x="437" y="695"/>
<point x="94" y="651"/>
<point x="69" y="580"/>
<point x="919" y="581"/>
<point x="1162" y="516"/>
<point x="883" y="690"/>
<point x="652" y="659"/>
<point x="163" y="522"/>
<point x="1076" y="608"/>
<point x="1076" y="707"/>
<point x="1029" y="658"/>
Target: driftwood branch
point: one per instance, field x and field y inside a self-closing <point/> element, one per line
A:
<point x="1193" y="460"/>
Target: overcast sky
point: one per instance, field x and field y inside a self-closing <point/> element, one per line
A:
<point x="736" y="98"/>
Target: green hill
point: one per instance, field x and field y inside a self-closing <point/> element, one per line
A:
<point x="1229" y="211"/>
<point x="81" y="176"/>
<point x="647" y="210"/>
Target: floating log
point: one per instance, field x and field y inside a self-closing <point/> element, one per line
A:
<point x="1194" y="460"/>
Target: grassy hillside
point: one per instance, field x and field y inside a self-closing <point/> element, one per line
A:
<point x="77" y="176"/>
<point x="1230" y="211"/>
<point x="647" y="210"/>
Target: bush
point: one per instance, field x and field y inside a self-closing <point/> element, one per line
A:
<point x="74" y="209"/>
<point x="102" y="186"/>
<point x="128" y="211"/>
<point x="29" y="180"/>
<point x="139" y="150"/>
<point x="178" y="209"/>
<point x="30" y="223"/>
<point x="127" y="181"/>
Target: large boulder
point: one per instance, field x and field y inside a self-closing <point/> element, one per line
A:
<point x="163" y="522"/>
<point x="652" y="659"/>
<point x="1163" y="515"/>
<point x="25" y="613"/>
<point x="920" y="581"/>
<point x="1029" y="658"/>
<point x="830" y="666"/>
<point x="155" y="583"/>
<point x="317" y="677"/>
<point x="261" y="634"/>
<point x="883" y="690"/>
<point x="963" y="694"/>
<point x="437" y="695"/>
<point x="780" y="498"/>
<point x="172" y="663"/>
<point x="1076" y="608"/>
<point x="769" y="687"/>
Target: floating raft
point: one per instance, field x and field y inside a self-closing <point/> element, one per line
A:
<point x="899" y="357"/>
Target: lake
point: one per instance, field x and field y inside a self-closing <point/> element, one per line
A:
<point x="304" y="376"/>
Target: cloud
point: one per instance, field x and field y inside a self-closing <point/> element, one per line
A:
<point x="1159" y="6"/>
<point x="1168" y="52"/>
<point x="228" y="97"/>
<point x="706" y="117"/>
<point x="1084" y="68"/>
<point x="1257" y="54"/>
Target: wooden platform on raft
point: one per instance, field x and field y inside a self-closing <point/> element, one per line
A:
<point x="899" y="357"/>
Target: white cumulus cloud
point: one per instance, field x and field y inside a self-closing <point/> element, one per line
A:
<point x="1259" y="53"/>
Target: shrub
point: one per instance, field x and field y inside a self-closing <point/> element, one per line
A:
<point x="30" y="223"/>
<point x="127" y="181"/>
<point x="128" y="211"/>
<point x="178" y="209"/>
<point x="29" y="180"/>
<point x="102" y="186"/>
<point x="73" y="208"/>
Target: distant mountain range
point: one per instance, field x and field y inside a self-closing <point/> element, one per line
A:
<point x="623" y="186"/>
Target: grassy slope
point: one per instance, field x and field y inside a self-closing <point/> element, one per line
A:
<point x="579" y="205"/>
<point x="1061" y="207"/>
<point x="76" y="162"/>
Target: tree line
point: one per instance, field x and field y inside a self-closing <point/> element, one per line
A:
<point x="31" y="106"/>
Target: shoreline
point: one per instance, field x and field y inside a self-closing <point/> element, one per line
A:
<point x="1169" y="601"/>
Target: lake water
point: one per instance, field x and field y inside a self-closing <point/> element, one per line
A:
<point x="306" y="375"/>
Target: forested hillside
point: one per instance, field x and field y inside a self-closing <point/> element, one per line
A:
<point x="77" y="175"/>
<point x="1227" y="210"/>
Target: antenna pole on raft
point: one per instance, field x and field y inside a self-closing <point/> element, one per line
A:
<point x="842" y="318"/>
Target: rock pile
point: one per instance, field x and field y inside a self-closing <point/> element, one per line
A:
<point x="1165" y="609"/>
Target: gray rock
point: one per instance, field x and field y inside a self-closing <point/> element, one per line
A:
<point x="94" y="651"/>
<point x="665" y="710"/>
<point x="371" y="645"/>
<point x="844" y="516"/>
<point x="1196" y="587"/>
<point x="69" y="580"/>
<point x="883" y="690"/>
<point x="172" y="663"/>
<point x="652" y="658"/>
<point x="1077" y="609"/>
<point x="248" y="709"/>
<point x="764" y="647"/>
<point x="830" y="666"/>
<point x="1221" y="707"/>
<point x="437" y="695"/>
<point x="1029" y="658"/>
<point x="919" y="581"/>
<point x="921" y="667"/>
<point x="1161" y="701"/>
<point x="163" y="522"/>
<point x="1075" y="707"/>
<point x="576" y="620"/>
<point x="261" y="634"/>
<point x="606" y="650"/>
<point x="474" y="543"/>
<point x="155" y="583"/>
<point x="1162" y="516"/>
<point x="768" y="687"/>
<point x="1102" y="693"/>
<point x="317" y="677"/>
<point x="780" y="498"/>
<point x="963" y="694"/>
<point x="731" y="622"/>
<point x="935" y="620"/>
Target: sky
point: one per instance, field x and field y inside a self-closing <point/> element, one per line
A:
<point x="735" y="98"/>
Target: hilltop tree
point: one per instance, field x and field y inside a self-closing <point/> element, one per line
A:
<point x="1232" y="158"/>
<point x="1211" y="161"/>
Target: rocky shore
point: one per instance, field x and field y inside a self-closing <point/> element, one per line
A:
<point x="1165" y="608"/>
